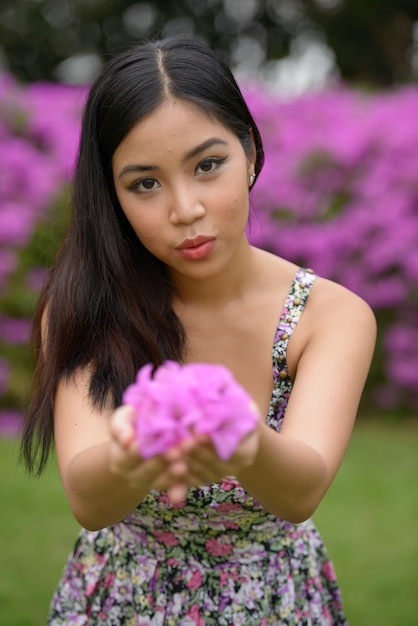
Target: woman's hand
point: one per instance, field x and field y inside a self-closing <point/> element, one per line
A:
<point x="204" y="465"/>
<point x="192" y="462"/>
<point x="125" y="459"/>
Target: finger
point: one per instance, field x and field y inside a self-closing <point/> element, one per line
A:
<point x="247" y="449"/>
<point x="178" y="468"/>
<point x="174" y="454"/>
<point x="177" y="493"/>
<point x="181" y="449"/>
<point x="147" y="473"/>
<point x="200" y="473"/>
<point x="122" y="425"/>
<point x="188" y="445"/>
<point x="122" y="459"/>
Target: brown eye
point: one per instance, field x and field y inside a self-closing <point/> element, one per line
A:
<point x="148" y="183"/>
<point x="144" y="185"/>
<point x="207" y="166"/>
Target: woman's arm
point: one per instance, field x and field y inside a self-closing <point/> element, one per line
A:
<point x="101" y="470"/>
<point x="287" y="472"/>
<point x="292" y="470"/>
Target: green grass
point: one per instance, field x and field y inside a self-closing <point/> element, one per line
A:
<point x="36" y="534"/>
<point x="369" y="520"/>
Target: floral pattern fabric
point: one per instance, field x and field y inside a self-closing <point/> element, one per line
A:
<point x="218" y="558"/>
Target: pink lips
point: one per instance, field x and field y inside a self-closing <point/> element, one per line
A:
<point x="196" y="248"/>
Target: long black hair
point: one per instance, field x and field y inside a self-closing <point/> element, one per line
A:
<point x="107" y="302"/>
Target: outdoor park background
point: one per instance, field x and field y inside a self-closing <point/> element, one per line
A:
<point x="333" y="85"/>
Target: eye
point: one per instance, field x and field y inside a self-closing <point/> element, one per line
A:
<point x="144" y="185"/>
<point x="207" y="166"/>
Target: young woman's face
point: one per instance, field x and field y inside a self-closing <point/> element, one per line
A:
<point x="181" y="178"/>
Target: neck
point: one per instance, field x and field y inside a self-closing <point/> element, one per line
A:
<point x="225" y="286"/>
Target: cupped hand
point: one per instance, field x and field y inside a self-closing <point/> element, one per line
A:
<point x="196" y="461"/>
<point x="125" y="458"/>
<point x="190" y="463"/>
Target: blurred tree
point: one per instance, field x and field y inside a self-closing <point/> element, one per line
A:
<point x="372" y="39"/>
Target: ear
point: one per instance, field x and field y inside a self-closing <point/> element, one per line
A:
<point x="251" y="153"/>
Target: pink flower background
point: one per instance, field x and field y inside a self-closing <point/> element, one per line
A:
<point x="338" y="193"/>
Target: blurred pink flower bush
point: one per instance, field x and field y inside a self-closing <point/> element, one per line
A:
<point x="39" y="130"/>
<point x="339" y="193"/>
<point x="179" y="400"/>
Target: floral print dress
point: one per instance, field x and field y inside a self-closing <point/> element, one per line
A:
<point x="217" y="558"/>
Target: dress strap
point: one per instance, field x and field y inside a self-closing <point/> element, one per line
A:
<point x="291" y="313"/>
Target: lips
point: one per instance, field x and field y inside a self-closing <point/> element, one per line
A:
<point x="196" y="248"/>
<point x="193" y="243"/>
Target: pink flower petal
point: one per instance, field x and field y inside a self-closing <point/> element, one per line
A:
<point x="179" y="399"/>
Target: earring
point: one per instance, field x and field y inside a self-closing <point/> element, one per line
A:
<point x="251" y="179"/>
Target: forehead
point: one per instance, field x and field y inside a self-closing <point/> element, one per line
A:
<point x="173" y="124"/>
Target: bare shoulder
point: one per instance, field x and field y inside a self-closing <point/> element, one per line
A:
<point x="336" y="320"/>
<point x="327" y="301"/>
<point x="273" y="271"/>
<point x="331" y="303"/>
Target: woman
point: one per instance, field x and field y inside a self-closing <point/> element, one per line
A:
<point x="156" y="265"/>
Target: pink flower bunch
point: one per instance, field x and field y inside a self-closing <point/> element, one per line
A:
<point x="179" y="400"/>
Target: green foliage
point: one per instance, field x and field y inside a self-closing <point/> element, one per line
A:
<point x="371" y="39"/>
<point x="19" y="299"/>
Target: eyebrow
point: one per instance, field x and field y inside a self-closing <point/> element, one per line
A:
<point x="213" y="141"/>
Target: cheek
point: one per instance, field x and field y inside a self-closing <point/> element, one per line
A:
<point x="146" y="234"/>
<point x="230" y="197"/>
<point x="145" y="229"/>
<point x="236" y="206"/>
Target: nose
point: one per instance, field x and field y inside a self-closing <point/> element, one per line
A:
<point x="185" y="208"/>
